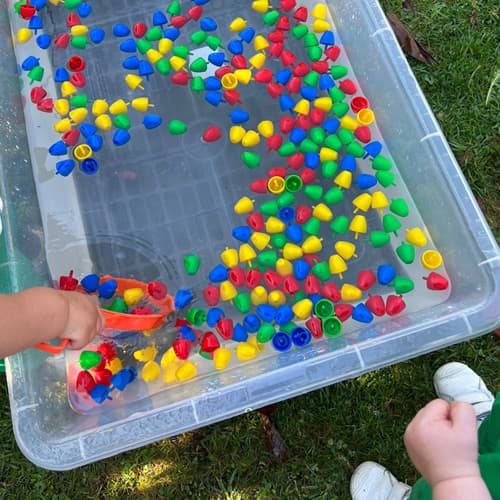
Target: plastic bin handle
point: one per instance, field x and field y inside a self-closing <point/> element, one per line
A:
<point x="53" y="349"/>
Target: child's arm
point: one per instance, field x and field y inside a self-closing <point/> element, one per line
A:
<point x="442" y="443"/>
<point x="43" y="314"/>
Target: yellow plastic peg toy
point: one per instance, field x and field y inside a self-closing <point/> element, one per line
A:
<point x="141" y="104"/>
<point x="258" y="295"/>
<point x="168" y="357"/>
<point x="327" y="154"/>
<point x="284" y="267"/>
<point x="229" y="81"/>
<point x="344" y="179"/>
<point x="236" y="134"/>
<point x="291" y="251"/>
<point x="134" y="81"/>
<point x="260" y="6"/>
<point x="260" y="43"/>
<point x="63" y="125"/>
<point x="132" y="296"/>
<point x="247" y="253"/>
<point x="82" y="152"/>
<point x="320" y="26"/>
<point x="146" y="354"/>
<point x="78" y="115"/>
<point x="302" y="107"/>
<point x="243" y="206"/>
<point x="250" y="139"/>
<point x="165" y="45"/>
<point x="170" y="370"/>
<point x="348" y="293"/>
<point x="237" y="24"/>
<point x="229" y="257"/>
<point x="266" y="128"/>
<point x="337" y="265"/>
<point x="260" y="240"/>
<point x="319" y="11"/>
<point x="153" y="56"/>
<point x="252" y="340"/>
<point x="67" y="89"/>
<point x="302" y="309"/>
<point x="362" y="202"/>
<point x="79" y="30"/>
<point x="150" y="371"/>
<point x="222" y="357"/>
<point x="358" y="225"/>
<point x="345" y="249"/>
<point x="61" y="106"/>
<point x="227" y="291"/>
<point x="416" y="237"/>
<point x="276" y="184"/>
<point x="118" y="107"/>
<point x="349" y="123"/>
<point x="274" y="225"/>
<point x="257" y="61"/>
<point x="365" y="116"/>
<point x="276" y="298"/>
<point x="243" y="75"/>
<point x="323" y="103"/>
<point x="177" y="63"/>
<point x="103" y="122"/>
<point x="322" y="213"/>
<point x="99" y="107"/>
<point x="186" y="371"/>
<point x="24" y="35"/>
<point x="114" y="365"/>
<point x="245" y="351"/>
<point x="379" y="201"/>
<point x="431" y="259"/>
<point x="312" y="244"/>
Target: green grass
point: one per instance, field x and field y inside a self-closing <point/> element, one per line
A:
<point x="330" y="431"/>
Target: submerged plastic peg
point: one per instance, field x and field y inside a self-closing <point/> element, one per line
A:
<point x="246" y="253"/>
<point x="379" y="238"/>
<point x="362" y="202"/>
<point x="321" y="270"/>
<point x="394" y="305"/>
<point x="227" y="291"/>
<point x="211" y="295"/>
<point x="303" y="308"/>
<point x="362" y="314"/>
<point x="330" y="292"/>
<point x="337" y="265"/>
<point x="350" y="293"/>
<point x="221" y="357"/>
<point x="177" y="127"/>
<point x="399" y="207"/>
<point x="416" y="237"/>
<point x="431" y="259"/>
<point x="243" y="206"/>
<point x="322" y="213"/>
<point x="358" y="225"/>
<point x="134" y="81"/>
<point x="312" y="244"/>
<point x="284" y="267"/>
<point x="379" y="201"/>
<point x="366" y="279"/>
<point x="385" y="274"/>
<point x="218" y="274"/>
<point x="89" y="359"/>
<point x="436" y="281"/>
<point x="390" y="224"/>
<point x="345" y="249"/>
<point x="344" y="179"/>
<point x="406" y="252"/>
<point x="191" y="264"/>
<point x="229" y="257"/>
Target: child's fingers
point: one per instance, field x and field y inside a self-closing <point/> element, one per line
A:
<point x="462" y="414"/>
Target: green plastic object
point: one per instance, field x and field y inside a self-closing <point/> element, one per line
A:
<point x="118" y="305"/>
<point x="174" y="9"/>
<point x="336" y="94"/>
<point x="250" y="159"/>
<point x="286" y="199"/>
<point x="399" y="207"/>
<point x="345" y="136"/>
<point x="197" y="84"/>
<point x="315" y="53"/>
<point x="386" y="179"/>
<point x="380" y="162"/>
<point x="293" y="183"/>
<point x="329" y="169"/>
<point x="312" y="226"/>
<point x="287" y="149"/>
<point x="122" y="121"/>
<point x="379" y="239"/>
<point x="36" y="74"/>
<point x="270" y="18"/>
<point x="288" y="328"/>
<point x="196" y="316"/>
<point x="340" y="109"/>
<point x="176" y="127"/>
<point x="334" y="195"/>
<point x="317" y="135"/>
<point x="242" y="302"/>
<point x="339" y="225"/>
<point x="299" y="31"/>
<point x="79" y="101"/>
<point x="199" y="65"/>
<point x="313" y="192"/>
<point x="154" y="34"/>
<point x="89" y="359"/>
<point x="72" y="4"/>
<point x="279" y="240"/>
<point x="265" y="333"/>
<point x="143" y="46"/>
<point x="198" y="37"/>
<point x="406" y="252"/>
<point x="299" y="295"/>
<point x="332" y="327"/>
<point x="391" y="224"/>
<point x="269" y="207"/>
<point x="310" y="40"/>
<point x="192" y="264"/>
<point x="333" y="142"/>
<point x="403" y="285"/>
<point x="308" y="146"/>
<point x="337" y="71"/>
<point x="214" y="42"/>
<point x="163" y="67"/>
<point x="355" y="149"/>
<point x="324" y="308"/>
<point x="181" y="51"/>
<point x="321" y="271"/>
<point x="205" y="355"/>
<point x="267" y="258"/>
<point x="311" y="79"/>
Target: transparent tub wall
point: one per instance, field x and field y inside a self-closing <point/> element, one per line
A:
<point x="56" y="437"/>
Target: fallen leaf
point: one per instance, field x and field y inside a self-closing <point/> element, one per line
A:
<point x="408" y="4"/>
<point x="275" y="443"/>
<point x="409" y="45"/>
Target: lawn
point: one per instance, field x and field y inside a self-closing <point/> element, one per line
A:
<point x="330" y="431"/>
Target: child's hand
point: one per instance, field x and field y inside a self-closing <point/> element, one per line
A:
<point x="442" y="441"/>
<point x="84" y="320"/>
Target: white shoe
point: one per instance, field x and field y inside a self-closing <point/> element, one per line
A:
<point x="372" y="481"/>
<point x="457" y="382"/>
